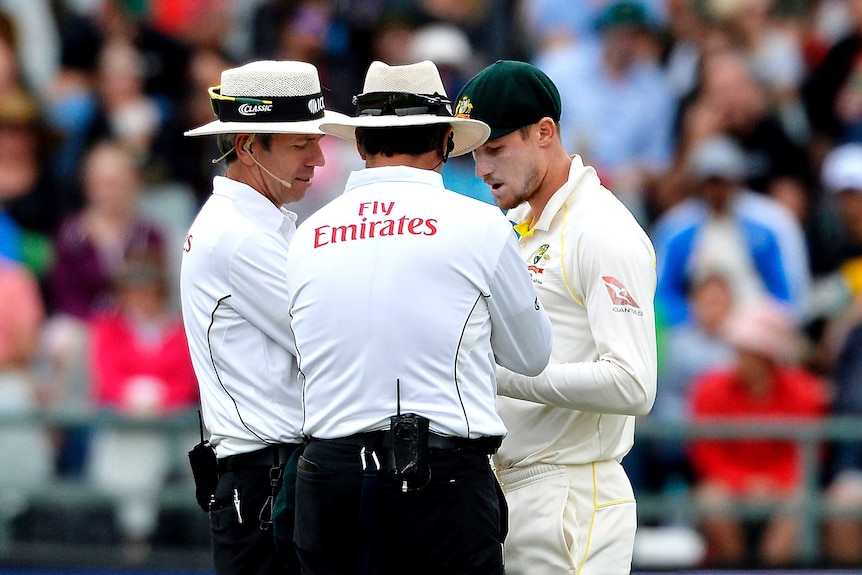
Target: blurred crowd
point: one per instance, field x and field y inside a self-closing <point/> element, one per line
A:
<point x="731" y="128"/>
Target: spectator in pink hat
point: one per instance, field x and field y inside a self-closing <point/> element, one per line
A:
<point x="763" y="384"/>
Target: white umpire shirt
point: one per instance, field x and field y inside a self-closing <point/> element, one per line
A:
<point x="235" y="310"/>
<point x="400" y="282"/>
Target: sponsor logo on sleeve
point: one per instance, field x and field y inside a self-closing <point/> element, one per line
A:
<point x="620" y="297"/>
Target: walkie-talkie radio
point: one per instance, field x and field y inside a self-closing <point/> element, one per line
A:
<point x="408" y="458"/>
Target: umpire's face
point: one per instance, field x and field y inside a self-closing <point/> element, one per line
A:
<point x="512" y="165"/>
<point x="282" y="171"/>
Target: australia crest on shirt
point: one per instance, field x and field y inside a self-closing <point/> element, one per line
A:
<point x="537" y="261"/>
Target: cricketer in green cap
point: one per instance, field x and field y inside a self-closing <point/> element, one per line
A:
<point x="508" y="95"/>
<point x="524" y="159"/>
<point x="593" y="269"/>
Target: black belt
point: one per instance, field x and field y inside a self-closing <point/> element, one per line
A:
<point x="383" y="440"/>
<point x="270" y="456"/>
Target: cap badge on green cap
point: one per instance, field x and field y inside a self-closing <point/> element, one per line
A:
<point x="464" y="108"/>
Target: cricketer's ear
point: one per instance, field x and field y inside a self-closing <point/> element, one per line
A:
<point x="547" y="131"/>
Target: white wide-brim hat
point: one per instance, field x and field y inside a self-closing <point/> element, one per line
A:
<point x="409" y="95"/>
<point x="842" y="169"/>
<point x="268" y="97"/>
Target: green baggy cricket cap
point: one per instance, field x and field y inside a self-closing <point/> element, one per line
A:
<point x="508" y="95"/>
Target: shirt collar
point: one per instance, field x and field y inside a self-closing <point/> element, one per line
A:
<point x="404" y="174"/>
<point x="522" y="216"/>
<point x="252" y="202"/>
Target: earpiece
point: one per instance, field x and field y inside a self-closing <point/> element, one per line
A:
<point x="450" y="145"/>
<point x="247" y="146"/>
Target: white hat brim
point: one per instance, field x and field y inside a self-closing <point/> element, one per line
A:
<point x="467" y="134"/>
<point x="303" y="127"/>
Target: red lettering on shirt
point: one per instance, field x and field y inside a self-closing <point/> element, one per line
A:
<point x="187" y="246"/>
<point x="414" y="224"/>
<point x="376" y="208"/>
<point x="318" y="234"/>
<point x="339" y="233"/>
<point x="365" y="229"/>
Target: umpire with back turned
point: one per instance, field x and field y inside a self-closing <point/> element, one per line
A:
<point x="234" y="303"/>
<point x="403" y="294"/>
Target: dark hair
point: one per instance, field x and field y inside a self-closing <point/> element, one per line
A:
<point x="411" y="140"/>
<point x="227" y="142"/>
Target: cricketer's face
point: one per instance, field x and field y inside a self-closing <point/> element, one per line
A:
<point x="509" y="165"/>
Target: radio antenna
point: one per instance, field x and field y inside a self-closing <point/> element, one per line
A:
<point x="398" y="396"/>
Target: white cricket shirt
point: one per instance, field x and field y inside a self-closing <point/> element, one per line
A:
<point x="593" y="267"/>
<point x="402" y="280"/>
<point x="235" y="309"/>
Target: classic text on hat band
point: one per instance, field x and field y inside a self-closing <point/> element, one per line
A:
<point x="271" y="109"/>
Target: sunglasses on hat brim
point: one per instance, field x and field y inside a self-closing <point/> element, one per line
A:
<point x="216" y="96"/>
<point x="401" y="104"/>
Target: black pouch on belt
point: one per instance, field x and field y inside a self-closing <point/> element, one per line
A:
<point x="202" y="459"/>
<point x="407" y="460"/>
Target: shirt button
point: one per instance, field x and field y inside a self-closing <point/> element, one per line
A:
<point x="523" y="243"/>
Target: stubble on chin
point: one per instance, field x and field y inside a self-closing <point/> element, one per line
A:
<point x="526" y="191"/>
<point x="511" y="199"/>
<point x="508" y="203"/>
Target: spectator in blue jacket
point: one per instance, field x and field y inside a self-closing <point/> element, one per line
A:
<point x="724" y="227"/>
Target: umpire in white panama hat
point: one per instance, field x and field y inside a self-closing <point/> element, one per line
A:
<point x="234" y="302"/>
<point x="427" y="290"/>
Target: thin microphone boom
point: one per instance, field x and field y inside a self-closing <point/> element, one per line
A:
<point x="259" y="165"/>
<point x="223" y="156"/>
<point x="247" y="148"/>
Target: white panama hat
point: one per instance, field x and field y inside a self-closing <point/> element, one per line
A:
<point x="842" y="168"/>
<point x="409" y="95"/>
<point x="268" y="97"/>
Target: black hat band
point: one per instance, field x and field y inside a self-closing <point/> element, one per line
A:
<point x="271" y="109"/>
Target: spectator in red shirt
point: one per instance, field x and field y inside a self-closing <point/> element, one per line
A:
<point x="141" y="368"/>
<point x="90" y="246"/>
<point x="762" y="384"/>
<point x="140" y="358"/>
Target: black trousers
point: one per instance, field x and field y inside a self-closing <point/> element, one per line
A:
<point x="353" y="523"/>
<point x="240" y="546"/>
